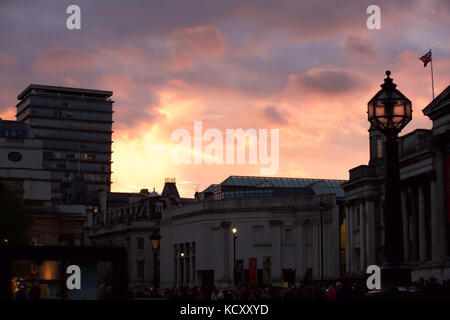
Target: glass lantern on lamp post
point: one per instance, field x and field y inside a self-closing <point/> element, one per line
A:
<point x="156" y="241"/>
<point x="389" y="111"/>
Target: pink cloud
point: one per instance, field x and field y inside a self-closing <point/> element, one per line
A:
<point x="273" y="115"/>
<point x="7" y="60"/>
<point x="61" y="59"/>
<point x="8" y="114"/>
<point x="304" y="67"/>
<point x="201" y="42"/>
<point x="360" y="46"/>
<point x="134" y="104"/>
<point x="321" y="81"/>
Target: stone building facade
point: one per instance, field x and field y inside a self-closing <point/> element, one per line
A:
<point x="128" y="220"/>
<point x="424" y="173"/>
<point x="278" y="223"/>
<point x="21" y="166"/>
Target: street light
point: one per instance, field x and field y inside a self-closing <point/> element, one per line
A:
<point x="389" y="111"/>
<point x="321" y="208"/>
<point x="234" y="230"/>
<point x="156" y="241"/>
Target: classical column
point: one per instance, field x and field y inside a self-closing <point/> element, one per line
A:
<point x="347" y="239"/>
<point x="351" y="227"/>
<point x="299" y="251"/>
<point x="438" y="222"/>
<point x="413" y="221"/>
<point x="405" y="224"/>
<point x="440" y="190"/>
<point x="226" y="276"/>
<point x="327" y="256"/>
<point x="193" y="271"/>
<point x="370" y="238"/>
<point x="276" y="252"/>
<point x="132" y="256"/>
<point x="315" y="232"/>
<point x="362" y="233"/>
<point x="421" y="225"/>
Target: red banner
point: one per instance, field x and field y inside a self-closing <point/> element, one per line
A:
<point x="253" y="271"/>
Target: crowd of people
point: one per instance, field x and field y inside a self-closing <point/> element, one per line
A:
<point x="346" y="289"/>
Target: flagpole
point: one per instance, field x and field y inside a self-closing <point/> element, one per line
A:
<point x="432" y="77"/>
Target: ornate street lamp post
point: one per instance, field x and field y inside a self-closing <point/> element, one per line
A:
<point x="156" y="240"/>
<point x="234" y="230"/>
<point x="390" y="111"/>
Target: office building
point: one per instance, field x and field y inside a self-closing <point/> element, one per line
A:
<point x="75" y="126"/>
<point x="21" y="163"/>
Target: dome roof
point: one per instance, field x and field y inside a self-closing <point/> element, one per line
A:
<point x="153" y="193"/>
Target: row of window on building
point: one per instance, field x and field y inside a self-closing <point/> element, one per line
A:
<point x="185" y="263"/>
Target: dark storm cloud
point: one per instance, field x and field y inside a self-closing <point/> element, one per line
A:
<point x="360" y="46"/>
<point x="239" y="46"/>
<point x="326" y="82"/>
<point x="271" y="114"/>
<point x="251" y="63"/>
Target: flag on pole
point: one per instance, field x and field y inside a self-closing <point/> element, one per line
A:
<point x="426" y="58"/>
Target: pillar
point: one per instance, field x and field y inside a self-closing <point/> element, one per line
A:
<point x="421" y="224"/>
<point x="362" y="234"/>
<point x="227" y="253"/>
<point x="438" y="222"/>
<point x="315" y="232"/>
<point x="413" y="221"/>
<point x="370" y="237"/>
<point x="405" y="224"/>
<point x="347" y="239"/>
<point x="299" y="251"/>
<point x="352" y="217"/>
<point x="440" y="198"/>
<point x="276" y="252"/>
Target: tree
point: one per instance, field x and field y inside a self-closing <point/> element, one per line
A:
<point x="14" y="219"/>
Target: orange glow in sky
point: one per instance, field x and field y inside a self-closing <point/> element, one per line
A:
<point x="306" y="70"/>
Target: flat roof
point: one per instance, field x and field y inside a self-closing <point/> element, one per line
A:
<point x="65" y="89"/>
<point x="319" y="186"/>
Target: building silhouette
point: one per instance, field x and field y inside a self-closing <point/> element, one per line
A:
<point x="424" y="157"/>
<point x="76" y="128"/>
<point x="127" y="220"/>
<point x="21" y="163"/>
<point x="278" y="223"/>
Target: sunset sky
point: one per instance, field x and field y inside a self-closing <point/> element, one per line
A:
<point x="307" y="68"/>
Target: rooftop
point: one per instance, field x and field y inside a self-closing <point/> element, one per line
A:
<point x="440" y="103"/>
<point x="67" y="90"/>
<point x="15" y="129"/>
<point x="318" y="186"/>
